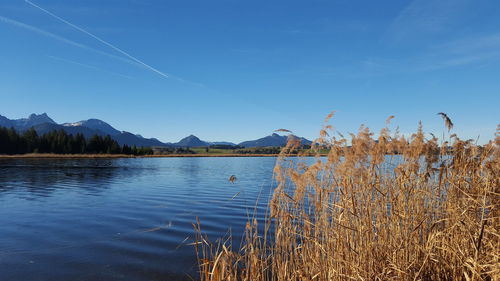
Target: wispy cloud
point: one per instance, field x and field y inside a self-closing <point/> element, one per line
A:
<point x="424" y="32"/>
<point x="464" y="51"/>
<point x="478" y="43"/>
<point x="89" y="66"/>
<point x="425" y="17"/>
<point x="100" y="40"/>
<point x="82" y="46"/>
<point x="468" y="51"/>
<point x="61" y="39"/>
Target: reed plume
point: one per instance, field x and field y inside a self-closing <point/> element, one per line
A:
<point x="385" y="208"/>
<point x="447" y="121"/>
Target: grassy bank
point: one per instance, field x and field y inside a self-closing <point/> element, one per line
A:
<point x="69" y="156"/>
<point x="199" y="152"/>
<point x="75" y="156"/>
<point x="427" y="214"/>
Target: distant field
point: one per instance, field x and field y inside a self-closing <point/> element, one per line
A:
<point x="189" y="152"/>
<point x="236" y="152"/>
<point x="53" y="155"/>
<point x="202" y="150"/>
<point x="75" y="156"/>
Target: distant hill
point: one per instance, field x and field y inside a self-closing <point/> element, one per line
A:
<point x="194" y="141"/>
<point x="131" y="139"/>
<point x="272" y="140"/>
<point x="42" y="123"/>
<point x="26" y="123"/>
<point x="95" y="124"/>
<point x="191" y="141"/>
<point x="49" y="127"/>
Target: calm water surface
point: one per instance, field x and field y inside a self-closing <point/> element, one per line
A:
<point x="120" y="219"/>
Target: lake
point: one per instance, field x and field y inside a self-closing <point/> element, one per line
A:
<point x="121" y="219"/>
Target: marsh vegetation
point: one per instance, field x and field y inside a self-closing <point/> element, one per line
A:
<point x="431" y="213"/>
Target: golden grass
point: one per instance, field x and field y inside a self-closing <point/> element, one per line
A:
<point x="70" y="156"/>
<point x="429" y="213"/>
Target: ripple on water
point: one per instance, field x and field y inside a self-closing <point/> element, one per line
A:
<point x="121" y="219"/>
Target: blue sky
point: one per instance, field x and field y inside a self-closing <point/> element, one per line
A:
<point x="237" y="70"/>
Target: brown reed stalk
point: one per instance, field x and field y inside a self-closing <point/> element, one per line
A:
<point x="385" y="208"/>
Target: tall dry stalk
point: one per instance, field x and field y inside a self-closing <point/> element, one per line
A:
<point x="389" y="208"/>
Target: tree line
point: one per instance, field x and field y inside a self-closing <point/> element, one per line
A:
<point x="60" y="142"/>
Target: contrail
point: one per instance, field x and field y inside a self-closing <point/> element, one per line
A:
<point x="62" y="39"/>
<point x="99" y="39"/>
<point x="89" y="66"/>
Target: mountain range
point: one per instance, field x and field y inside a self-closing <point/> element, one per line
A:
<point x="42" y="123"/>
<point x="273" y="140"/>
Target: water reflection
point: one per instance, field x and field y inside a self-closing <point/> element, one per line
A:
<point x="41" y="177"/>
<point x="120" y="219"/>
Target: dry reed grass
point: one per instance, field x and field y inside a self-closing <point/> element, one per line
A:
<point x="390" y="208"/>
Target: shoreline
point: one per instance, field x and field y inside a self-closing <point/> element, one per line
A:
<point x="104" y="156"/>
